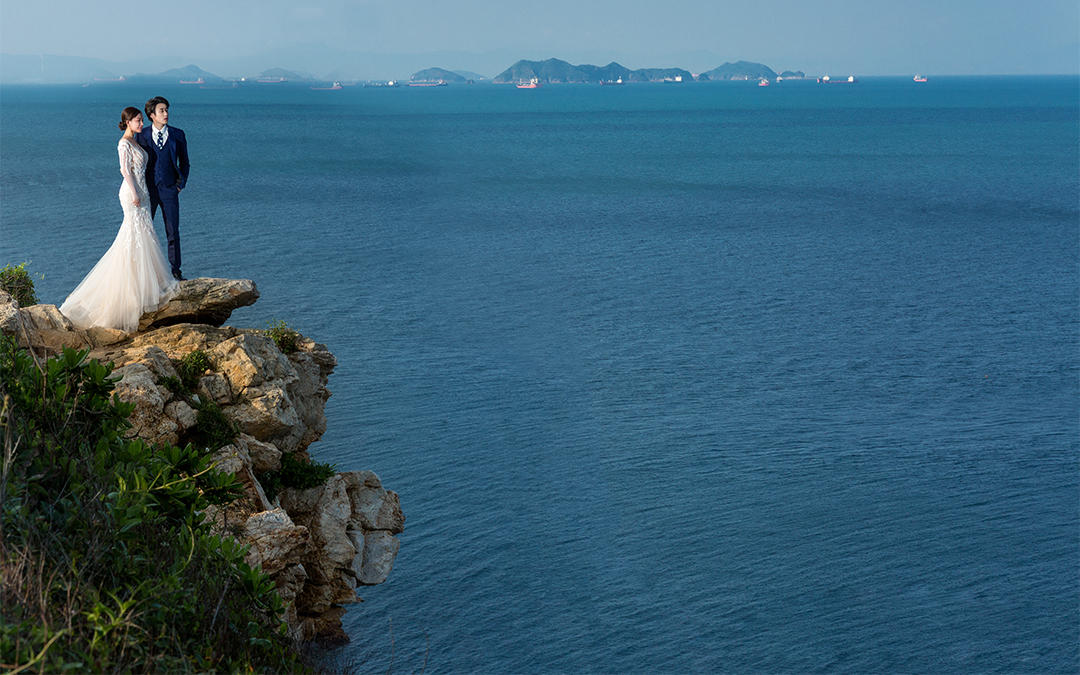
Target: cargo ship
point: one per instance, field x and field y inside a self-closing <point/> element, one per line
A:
<point x="919" y="78"/>
<point x="531" y="84"/>
<point x="333" y="87"/>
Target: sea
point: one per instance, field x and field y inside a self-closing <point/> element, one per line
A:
<point x="699" y="377"/>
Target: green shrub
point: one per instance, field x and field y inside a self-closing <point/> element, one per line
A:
<point x="19" y="284"/>
<point x="175" y="385"/>
<point x="295" y="473"/>
<point x="286" y="339"/>
<point x="191" y="368"/>
<point x="108" y="563"/>
<point x="212" y="429"/>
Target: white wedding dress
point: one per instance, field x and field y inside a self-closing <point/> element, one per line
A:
<point x="133" y="276"/>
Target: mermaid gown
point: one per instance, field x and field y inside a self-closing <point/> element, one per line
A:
<point x="133" y="276"/>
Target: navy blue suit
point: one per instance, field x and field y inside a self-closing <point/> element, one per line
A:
<point x="166" y="174"/>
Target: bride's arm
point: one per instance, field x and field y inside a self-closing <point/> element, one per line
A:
<point x="127" y="161"/>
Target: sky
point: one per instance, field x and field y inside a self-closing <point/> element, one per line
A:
<point x="865" y="37"/>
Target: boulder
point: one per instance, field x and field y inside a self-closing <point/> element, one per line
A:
<point x="275" y="541"/>
<point x="326" y="510"/>
<point x="181" y="413"/>
<point x="176" y="341"/>
<point x="252" y="360"/>
<point x="373" y="507"/>
<point x="264" y="456"/>
<point x="45" y="330"/>
<point x="12" y="321"/>
<point x="270" y="417"/>
<point x="379" y="548"/>
<point x="204" y="300"/>
<point x="151" y="356"/>
<point x="148" y="420"/>
<point x="47" y="317"/>
<point x="214" y="387"/>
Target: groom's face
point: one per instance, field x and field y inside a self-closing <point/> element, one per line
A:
<point x="160" y="115"/>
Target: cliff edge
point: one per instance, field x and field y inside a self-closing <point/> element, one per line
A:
<point x="319" y="544"/>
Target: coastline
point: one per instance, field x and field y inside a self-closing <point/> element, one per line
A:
<point x="318" y="534"/>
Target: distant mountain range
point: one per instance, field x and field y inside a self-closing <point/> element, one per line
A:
<point x="47" y="69"/>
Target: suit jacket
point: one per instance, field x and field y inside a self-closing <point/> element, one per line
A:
<point x="167" y="167"/>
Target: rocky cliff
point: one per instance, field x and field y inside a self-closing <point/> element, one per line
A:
<point x="319" y="544"/>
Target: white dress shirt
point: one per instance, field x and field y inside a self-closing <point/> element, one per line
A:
<point x="164" y="131"/>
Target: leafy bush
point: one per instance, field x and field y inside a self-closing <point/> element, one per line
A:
<point x="107" y="561"/>
<point x="286" y="339"/>
<point x="191" y="368"/>
<point x="212" y="429"/>
<point x="295" y="473"/>
<point x="175" y="385"/>
<point x="19" y="284"/>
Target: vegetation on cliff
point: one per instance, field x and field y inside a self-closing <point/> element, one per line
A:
<point x="106" y="560"/>
<point x="16" y="281"/>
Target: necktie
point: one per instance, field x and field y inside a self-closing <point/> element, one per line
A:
<point x="160" y="140"/>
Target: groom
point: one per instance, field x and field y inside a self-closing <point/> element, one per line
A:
<point x="166" y="172"/>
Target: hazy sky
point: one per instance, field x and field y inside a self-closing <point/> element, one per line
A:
<point x="858" y="36"/>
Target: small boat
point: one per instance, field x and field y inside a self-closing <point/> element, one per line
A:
<point x="919" y="78"/>
<point x="763" y="82"/>
<point x="333" y="87"/>
<point x="531" y="84"/>
<point x="825" y="79"/>
<point x="198" y="81"/>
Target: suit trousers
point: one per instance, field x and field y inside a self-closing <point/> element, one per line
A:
<point x="168" y="199"/>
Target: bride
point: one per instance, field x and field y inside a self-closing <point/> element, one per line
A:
<point x="133" y="276"/>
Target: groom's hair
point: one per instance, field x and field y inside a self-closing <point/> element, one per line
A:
<point x="153" y="103"/>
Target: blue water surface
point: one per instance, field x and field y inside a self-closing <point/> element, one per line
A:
<point x="699" y="377"/>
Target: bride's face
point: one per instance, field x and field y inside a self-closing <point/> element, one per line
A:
<point x="135" y="124"/>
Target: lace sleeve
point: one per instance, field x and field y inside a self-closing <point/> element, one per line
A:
<point x="126" y="159"/>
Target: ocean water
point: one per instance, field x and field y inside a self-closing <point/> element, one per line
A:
<point x="669" y="378"/>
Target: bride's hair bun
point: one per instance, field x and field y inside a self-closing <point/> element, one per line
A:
<point x="129" y="113"/>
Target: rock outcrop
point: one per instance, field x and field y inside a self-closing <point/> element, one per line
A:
<point x="318" y="544"/>
<point x="208" y="301"/>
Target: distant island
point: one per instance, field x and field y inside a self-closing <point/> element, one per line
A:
<point x="559" y="71"/>
<point x="740" y="70"/>
<point x="436" y="74"/>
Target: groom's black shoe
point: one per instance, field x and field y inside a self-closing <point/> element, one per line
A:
<point x="178" y="275"/>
